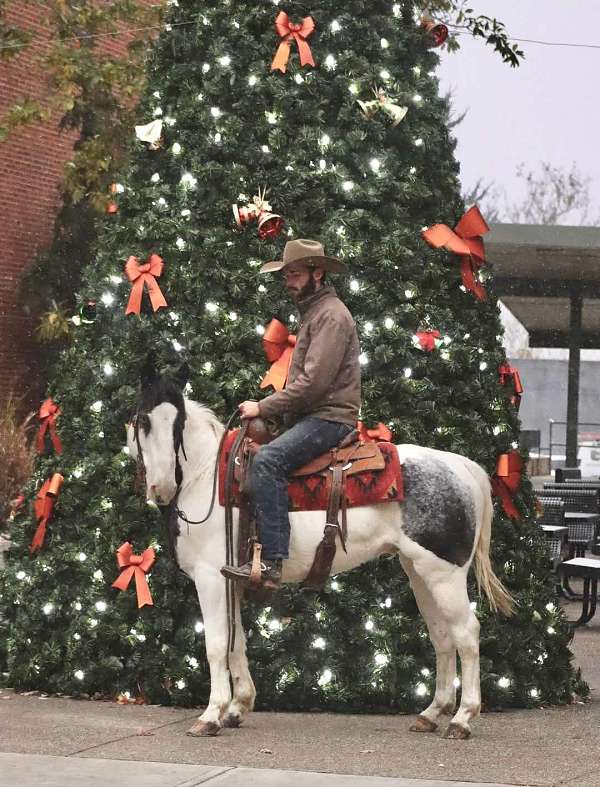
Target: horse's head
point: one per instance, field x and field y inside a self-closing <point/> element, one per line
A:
<point x="155" y="435"/>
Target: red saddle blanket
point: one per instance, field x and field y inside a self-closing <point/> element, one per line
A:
<point x="311" y="493"/>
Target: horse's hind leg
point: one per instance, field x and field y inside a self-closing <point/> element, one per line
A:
<point x="451" y="599"/>
<point x="444" y="700"/>
<point x="243" y="686"/>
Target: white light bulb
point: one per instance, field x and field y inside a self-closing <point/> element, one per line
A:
<point x="180" y="243"/>
<point x="211" y="307"/>
<point x="388" y="322"/>
<point x="551" y="630"/>
<point x="176" y="346"/>
<point x="157" y="112"/>
<point x="369" y="625"/>
<point x="176" y="148"/>
<point x="225" y="60"/>
<point x="98" y="575"/>
<point x="325" y="678"/>
<point x="232" y="316"/>
<point x="207" y="366"/>
<point x="262" y="288"/>
<point x="417" y="98"/>
<point x="384" y="74"/>
<point x="420" y="689"/>
<point x="347" y="185"/>
<point x="412" y="170"/>
<point x="396" y="9"/>
<point x="96" y="407"/>
<point x="188" y="180"/>
<point x="265" y="149"/>
<point x="354" y="285"/>
<point x="78" y="606"/>
<point x="381" y="659"/>
<point x="550" y="607"/>
<point x="418" y="142"/>
<point x="335" y="585"/>
<point x="496" y="430"/>
<point x="322" y="164"/>
<point x="456" y="683"/>
<point x="186" y="213"/>
<point x="192" y="661"/>
<point x="325" y="140"/>
<point x="534" y="693"/>
<point x="200" y="97"/>
<point x="170" y="121"/>
<point x="155" y="178"/>
<point x="79" y="674"/>
<point x="260" y="330"/>
<point x="101" y="606"/>
<point x="206" y="68"/>
<point x="199" y="627"/>
<point x="335" y="26"/>
<point x="107" y="298"/>
<point x="298" y="79"/>
<point x="353" y="88"/>
<point x="319" y="642"/>
<point x="108" y="369"/>
<point x="82" y="557"/>
<point x="330" y="62"/>
<point x="162" y="202"/>
<point x="384" y="43"/>
<point x="93" y="622"/>
<point x="20" y="575"/>
<point x="77" y="637"/>
<point x="504" y="683"/>
<point x="252" y="80"/>
<point x="407" y="372"/>
<point x="375" y="164"/>
<point x="180" y="684"/>
<point x="156" y="94"/>
<point x="363" y="359"/>
<point x="271" y="117"/>
<point x="215" y="112"/>
<point x="47" y="608"/>
<point x="425" y="672"/>
<point x="483" y="366"/>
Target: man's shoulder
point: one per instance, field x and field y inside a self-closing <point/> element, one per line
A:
<point x="334" y="307"/>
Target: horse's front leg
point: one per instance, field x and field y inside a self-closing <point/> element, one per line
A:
<point x="243" y="686"/>
<point x="210" y="586"/>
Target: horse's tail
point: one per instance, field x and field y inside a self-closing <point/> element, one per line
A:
<point x="498" y="596"/>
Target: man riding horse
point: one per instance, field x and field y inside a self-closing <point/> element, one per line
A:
<point x="319" y="404"/>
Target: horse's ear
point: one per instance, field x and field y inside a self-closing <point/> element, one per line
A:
<point x="182" y="376"/>
<point x="149" y="374"/>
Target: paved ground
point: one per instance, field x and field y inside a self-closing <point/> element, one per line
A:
<point x="66" y="742"/>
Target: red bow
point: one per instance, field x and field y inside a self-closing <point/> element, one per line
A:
<point x="507" y="373"/>
<point x="144" y="274"/>
<point x="507" y="480"/>
<point x="48" y="414"/>
<point x="378" y="433"/>
<point x="427" y="339"/>
<point x="137" y="565"/>
<point x="278" y="344"/>
<point x="43" y="506"/>
<point x="466" y="241"/>
<point x="288" y="31"/>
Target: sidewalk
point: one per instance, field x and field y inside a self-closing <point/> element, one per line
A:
<point x="60" y="741"/>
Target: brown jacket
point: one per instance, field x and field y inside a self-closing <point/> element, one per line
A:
<point x="324" y="376"/>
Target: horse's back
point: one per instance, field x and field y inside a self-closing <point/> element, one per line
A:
<point x="444" y="500"/>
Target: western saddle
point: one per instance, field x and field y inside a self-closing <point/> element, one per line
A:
<point x="351" y="456"/>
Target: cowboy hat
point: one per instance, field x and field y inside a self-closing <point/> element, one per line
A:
<point x="306" y="252"/>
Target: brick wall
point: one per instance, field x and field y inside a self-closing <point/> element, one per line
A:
<point x="31" y="163"/>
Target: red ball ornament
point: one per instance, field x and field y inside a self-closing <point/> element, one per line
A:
<point x="436" y="32"/>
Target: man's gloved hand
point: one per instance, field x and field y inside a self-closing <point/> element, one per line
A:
<point x="249" y="409"/>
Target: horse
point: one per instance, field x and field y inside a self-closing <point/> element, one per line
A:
<point x="442" y="526"/>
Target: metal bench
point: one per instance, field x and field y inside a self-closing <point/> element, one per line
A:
<point x="589" y="570"/>
<point x="564" y="473"/>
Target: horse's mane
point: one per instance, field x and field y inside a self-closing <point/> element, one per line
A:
<point x="201" y="411"/>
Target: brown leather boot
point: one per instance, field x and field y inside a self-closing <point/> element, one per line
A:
<point x="270" y="573"/>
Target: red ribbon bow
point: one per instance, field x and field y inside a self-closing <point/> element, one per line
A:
<point x="427" y="339"/>
<point x="278" y="344"/>
<point x="507" y="480"/>
<point x="289" y="31"/>
<point x="374" y="435"/>
<point x="509" y="373"/>
<point x="145" y="274"/>
<point x="466" y="241"/>
<point x="138" y="566"/>
<point x="48" y="414"/>
<point x="43" y="506"/>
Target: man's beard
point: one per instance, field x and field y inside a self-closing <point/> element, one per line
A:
<point x="309" y="288"/>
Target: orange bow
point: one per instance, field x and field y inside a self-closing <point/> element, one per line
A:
<point x="43" y="506"/>
<point x="278" y="344"/>
<point x="289" y="31"/>
<point x="507" y="373"/>
<point x="466" y="241"/>
<point x="427" y="339"/>
<point x="507" y="480"/>
<point x="144" y="274"/>
<point x="379" y="432"/>
<point x="48" y="414"/>
<point x="137" y="565"/>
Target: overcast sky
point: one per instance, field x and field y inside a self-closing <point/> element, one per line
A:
<point x="545" y="110"/>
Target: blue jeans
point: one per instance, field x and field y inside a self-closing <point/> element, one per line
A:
<point x="271" y="467"/>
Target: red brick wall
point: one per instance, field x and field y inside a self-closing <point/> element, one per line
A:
<point x="31" y="163"/>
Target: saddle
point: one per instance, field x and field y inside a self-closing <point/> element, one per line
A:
<point x="348" y="458"/>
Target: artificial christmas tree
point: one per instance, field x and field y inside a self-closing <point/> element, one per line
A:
<point x="234" y="123"/>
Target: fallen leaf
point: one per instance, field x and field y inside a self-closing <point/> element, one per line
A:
<point x="145" y="733"/>
<point x="265" y="751"/>
<point x="366" y="751"/>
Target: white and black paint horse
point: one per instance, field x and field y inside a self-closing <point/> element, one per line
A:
<point x="443" y="526"/>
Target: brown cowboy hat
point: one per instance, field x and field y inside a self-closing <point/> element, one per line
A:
<point x="307" y="252"/>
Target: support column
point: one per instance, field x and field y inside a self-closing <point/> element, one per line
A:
<point x="573" y="388"/>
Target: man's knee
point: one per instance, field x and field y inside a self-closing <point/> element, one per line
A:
<point x="266" y="462"/>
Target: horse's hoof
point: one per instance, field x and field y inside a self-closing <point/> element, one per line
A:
<point x="231" y="720"/>
<point x="204" y="729"/>
<point x="423" y="724"/>
<point x="457" y="732"/>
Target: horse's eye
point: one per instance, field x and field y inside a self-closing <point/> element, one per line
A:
<point x="143" y="420"/>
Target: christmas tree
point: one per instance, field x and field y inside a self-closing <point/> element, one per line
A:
<point x="350" y="137"/>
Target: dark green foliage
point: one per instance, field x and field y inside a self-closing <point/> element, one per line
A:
<point x="451" y="399"/>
